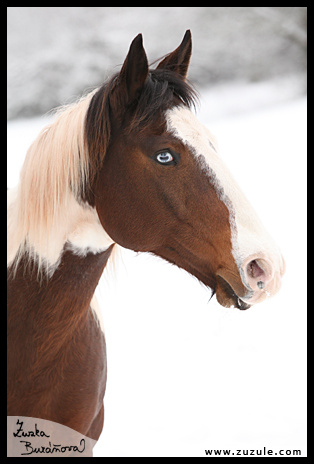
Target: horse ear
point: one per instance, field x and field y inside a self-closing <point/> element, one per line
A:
<point x="179" y="60"/>
<point x="133" y="74"/>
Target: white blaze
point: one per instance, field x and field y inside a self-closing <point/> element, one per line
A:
<point x="249" y="238"/>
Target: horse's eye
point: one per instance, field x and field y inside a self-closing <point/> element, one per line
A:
<point x="165" y="158"/>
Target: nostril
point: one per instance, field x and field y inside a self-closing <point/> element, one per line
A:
<point x="255" y="272"/>
<point x="261" y="274"/>
<point x="258" y="274"/>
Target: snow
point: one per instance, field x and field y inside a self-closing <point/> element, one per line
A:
<point x="56" y="53"/>
<point x="185" y="374"/>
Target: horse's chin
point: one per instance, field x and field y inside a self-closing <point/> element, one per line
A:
<point x="227" y="297"/>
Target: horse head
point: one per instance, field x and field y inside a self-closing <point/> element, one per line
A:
<point x="159" y="185"/>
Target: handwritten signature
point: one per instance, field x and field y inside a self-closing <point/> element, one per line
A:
<point x="48" y="448"/>
<point x="52" y="448"/>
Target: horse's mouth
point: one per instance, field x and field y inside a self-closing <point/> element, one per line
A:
<point x="225" y="294"/>
<point x="241" y="304"/>
<point x="227" y="297"/>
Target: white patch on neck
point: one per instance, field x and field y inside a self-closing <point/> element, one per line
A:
<point x="87" y="234"/>
<point x="79" y="227"/>
<point x="248" y="236"/>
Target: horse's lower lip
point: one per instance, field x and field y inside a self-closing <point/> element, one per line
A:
<point x="227" y="297"/>
<point x="242" y="305"/>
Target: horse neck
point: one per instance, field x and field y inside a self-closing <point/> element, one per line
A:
<point x="57" y="308"/>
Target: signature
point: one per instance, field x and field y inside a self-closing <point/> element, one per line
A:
<point x="52" y="448"/>
<point x="47" y="448"/>
<point x="30" y="433"/>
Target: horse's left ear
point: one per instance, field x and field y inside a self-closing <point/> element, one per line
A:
<point x="133" y="74"/>
<point x="179" y="60"/>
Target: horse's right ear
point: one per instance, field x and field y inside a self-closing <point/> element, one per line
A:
<point x="133" y="74"/>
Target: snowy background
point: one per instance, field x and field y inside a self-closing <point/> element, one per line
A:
<point x="185" y="374"/>
<point x="56" y="53"/>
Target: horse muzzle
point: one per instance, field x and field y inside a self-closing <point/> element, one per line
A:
<point x="259" y="277"/>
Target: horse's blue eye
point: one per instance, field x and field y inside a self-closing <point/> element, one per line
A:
<point x="165" y="157"/>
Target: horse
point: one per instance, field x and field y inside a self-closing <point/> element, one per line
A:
<point x="127" y="165"/>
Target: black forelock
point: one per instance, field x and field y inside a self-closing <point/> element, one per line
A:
<point x="162" y="90"/>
